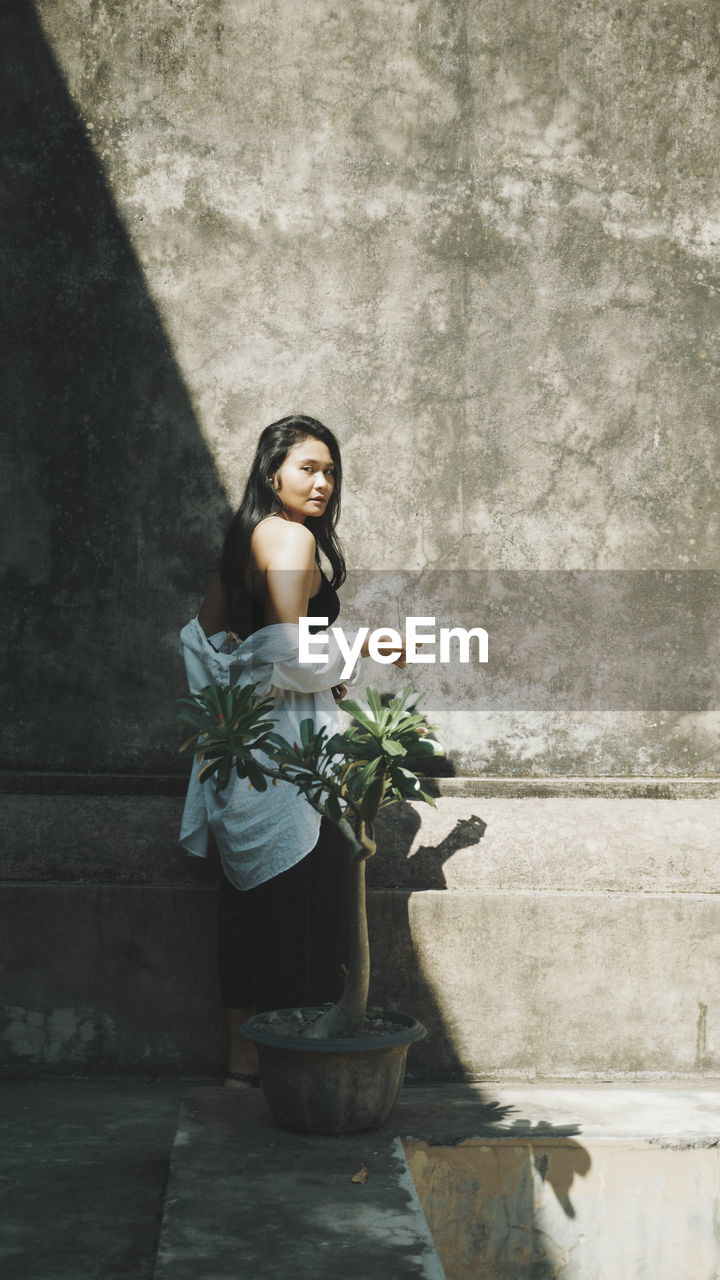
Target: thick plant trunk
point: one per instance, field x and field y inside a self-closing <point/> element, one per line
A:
<point x="347" y="1015"/>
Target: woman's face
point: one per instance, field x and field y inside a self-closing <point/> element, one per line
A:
<point x="306" y="480"/>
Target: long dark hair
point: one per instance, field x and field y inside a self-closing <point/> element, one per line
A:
<point x="260" y="500"/>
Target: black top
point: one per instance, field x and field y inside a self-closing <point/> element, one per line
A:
<point x="324" y="604"/>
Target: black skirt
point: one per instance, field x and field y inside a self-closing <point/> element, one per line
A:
<point x="284" y="943"/>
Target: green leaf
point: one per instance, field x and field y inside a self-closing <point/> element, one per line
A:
<point x="423" y="795"/>
<point x="256" y="776"/>
<point x="355" y="710"/>
<point x="339" y="744"/>
<point x="334" y="811"/>
<point x="282" y="744"/>
<point x="374" y="702"/>
<point x="366" y="774"/>
<point x="215" y="700"/>
<point x="370" y="803"/>
<point x="195" y="717"/>
<point x="224" y="775"/>
<point x="208" y="770"/>
<point x="409" y="777"/>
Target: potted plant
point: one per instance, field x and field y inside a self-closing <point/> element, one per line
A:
<point x="336" y="1069"/>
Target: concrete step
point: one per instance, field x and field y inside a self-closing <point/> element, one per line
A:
<point x="581" y="834"/>
<point x="553" y="934"/>
<point x="466" y="1182"/>
<point x="245" y="1198"/>
<point x="102" y="979"/>
<point x="552" y="984"/>
<point x="602" y="844"/>
<point x="83" y="1169"/>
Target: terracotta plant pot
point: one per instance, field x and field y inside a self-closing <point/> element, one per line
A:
<point x="340" y="1085"/>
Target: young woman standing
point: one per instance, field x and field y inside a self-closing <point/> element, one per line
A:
<point x="271" y="843"/>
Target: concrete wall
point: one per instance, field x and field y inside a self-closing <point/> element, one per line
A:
<point x="500" y="1208"/>
<point x="534" y="936"/>
<point x="481" y="242"/>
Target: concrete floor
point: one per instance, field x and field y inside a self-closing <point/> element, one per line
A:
<point x="84" y="1165"/>
<point x="83" y="1169"/>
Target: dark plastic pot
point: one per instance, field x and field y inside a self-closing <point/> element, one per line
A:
<point x="340" y="1085"/>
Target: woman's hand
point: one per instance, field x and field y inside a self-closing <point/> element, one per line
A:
<point x="401" y="658"/>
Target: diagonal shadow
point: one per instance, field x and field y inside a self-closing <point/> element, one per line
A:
<point x="502" y="1231"/>
<point x="402" y="876"/>
<point x="482" y="1203"/>
<point x="111" y="508"/>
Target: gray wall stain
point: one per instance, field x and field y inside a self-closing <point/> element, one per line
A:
<point x="701" y="1058"/>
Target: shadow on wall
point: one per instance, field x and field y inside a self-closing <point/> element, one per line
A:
<point x="398" y="980"/>
<point x="499" y="1205"/>
<point x="112" y="511"/>
<point x="484" y="1185"/>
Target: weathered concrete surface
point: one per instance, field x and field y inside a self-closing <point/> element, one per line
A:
<point x="245" y="1198"/>
<point x="473" y="842"/>
<point x="575" y="787"/>
<point x="500" y="1172"/>
<point x="674" y="1113"/>
<point x="537" y="935"/>
<point x="120" y="979"/>
<point x="96" y="839"/>
<point x="547" y="983"/>
<point x="84" y="1164"/>
<point x="480" y="241"/>
<point x="619" y="669"/>
<point x="588" y="844"/>
<point x="101" y="559"/>
<point x="110" y="980"/>
<point x="84" y="1169"/>
<point x="502" y="1209"/>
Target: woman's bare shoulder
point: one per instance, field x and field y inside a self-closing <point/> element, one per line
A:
<point x="276" y="539"/>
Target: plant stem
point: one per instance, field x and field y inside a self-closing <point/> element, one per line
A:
<point x="347" y="1015"/>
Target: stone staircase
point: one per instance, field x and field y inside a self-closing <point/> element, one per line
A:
<point x="549" y="928"/>
<point x="468" y="1182"/>
<point x="558" y="937"/>
<point x="556" y="934"/>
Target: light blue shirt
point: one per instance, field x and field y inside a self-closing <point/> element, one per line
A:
<point x="259" y="833"/>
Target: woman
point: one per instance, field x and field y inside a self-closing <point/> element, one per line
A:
<point x="246" y="630"/>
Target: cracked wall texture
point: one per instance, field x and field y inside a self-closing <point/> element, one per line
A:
<point x="568" y="1209"/>
<point x="480" y="240"/>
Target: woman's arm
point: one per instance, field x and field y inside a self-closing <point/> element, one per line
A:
<point x="387" y="648"/>
<point x="212" y="610"/>
<point x="284" y="552"/>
